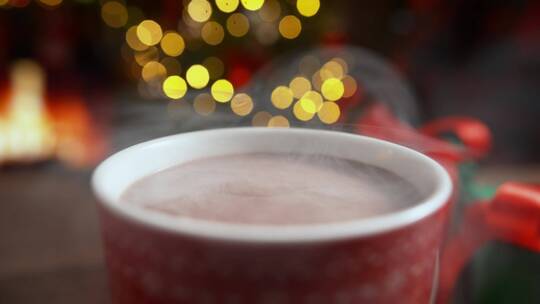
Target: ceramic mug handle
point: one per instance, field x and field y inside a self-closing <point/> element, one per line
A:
<point x="511" y="216"/>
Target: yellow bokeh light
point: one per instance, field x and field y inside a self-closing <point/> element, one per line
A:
<point x="311" y="102"/>
<point x="152" y="71"/>
<point x="350" y="86"/>
<point x="290" y="27"/>
<point x="227" y="6"/>
<point x="342" y="63"/>
<point x="215" y="67"/>
<point x="237" y="24"/>
<point x="212" y="33"/>
<point x="260" y="119"/>
<point x="197" y="76"/>
<point x="149" y="32"/>
<point x="300" y="113"/>
<point x="192" y="24"/>
<point x="46" y="2"/>
<point x="329" y="112"/>
<point x="308" y="105"/>
<point x="332" y="89"/>
<point x="174" y="87"/>
<point x="222" y="90"/>
<point x="199" y="10"/>
<point x="270" y="11"/>
<point x="278" y="121"/>
<point x="316" y="80"/>
<point x="143" y="57"/>
<point x="172" y="65"/>
<point x="172" y="44"/>
<point x="114" y="14"/>
<point x="3" y="2"/>
<point x="308" y="8"/>
<point x="242" y="104"/>
<point x="252" y="5"/>
<point x="133" y="41"/>
<point x="282" y="97"/>
<point x="204" y="104"/>
<point x="331" y="69"/>
<point x="299" y="86"/>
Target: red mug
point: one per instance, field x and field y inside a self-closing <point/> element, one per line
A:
<point x="154" y="258"/>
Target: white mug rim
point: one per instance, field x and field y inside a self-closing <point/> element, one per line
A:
<point x="320" y="232"/>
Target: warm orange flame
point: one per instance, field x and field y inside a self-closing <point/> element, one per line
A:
<point x="26" y="132"/>
<point x="30" y="131"/>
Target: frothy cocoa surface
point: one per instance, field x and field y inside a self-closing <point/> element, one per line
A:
<point x="272" y="189"/>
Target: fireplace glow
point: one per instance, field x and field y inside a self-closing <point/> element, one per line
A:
<point x="33" y="131"/>
<point x="26" y="132"/>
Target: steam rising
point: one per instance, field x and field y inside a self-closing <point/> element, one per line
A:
<point x="305" y="178"/>
<point x="376" y="80"/>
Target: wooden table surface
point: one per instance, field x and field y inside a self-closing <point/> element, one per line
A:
<point x="49" y="236"/>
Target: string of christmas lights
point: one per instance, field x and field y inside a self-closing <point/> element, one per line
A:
<point x="156" y="56"/>
<point x="315" y="96"/>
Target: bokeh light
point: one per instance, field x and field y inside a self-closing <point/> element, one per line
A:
<point x="212" y="33"/>
<point x="278" y="121"/>
<point x="300" y="113"/>
<point x="174" y="87"/>
<point x="197" y="76"/>
<point x="332" y="89"/>
<point x="329" y="112"/>
<point x="290" y="27"/>
<point x="308" y="8"/>
<point x="143" y="57"/>
<point x="152" y="71"/>
<point x="242" y="104"/>
<point x="282" y="97"/>
<point x="350" y="86"/>
<point x="3" y="2"/>
<point x="204" y="104"/>
<point x="311" y="102"/>
<point x="331" y="69"/>
<point x="158" y="62"/>
<point x="342" y="63"/>
<point x="133" y="41"/>
<point x="222" y="90"/>
<point x="172" y="65"/>
<point x="317" y="81"/>
<point x="252" y="5"/>
<point x="199" y="10"/>
<point x="114" y="14"/>
<point x="215" y="67"/>
<point x="261" y="119"/>
<point x="308" y="105"/>
<point x="270" y="11"/>
<point x="227" y="6"/>
<point x="172" y="44"/>
<point x="149" y="32"/>
<point x="237" y="24"/>
<point x="299" y="86"/>
<point x="192" y="25"/>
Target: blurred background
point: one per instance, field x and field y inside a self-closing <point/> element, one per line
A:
<point x="82" y="79"/>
